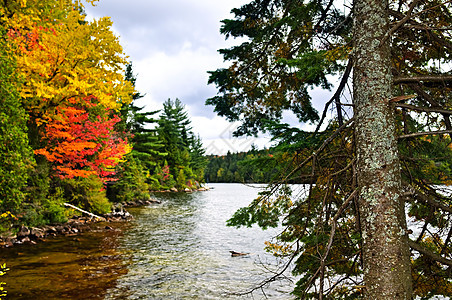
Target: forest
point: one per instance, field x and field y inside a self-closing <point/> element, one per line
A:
<point x="240" y="167"/>
<point x="70" y="131"/>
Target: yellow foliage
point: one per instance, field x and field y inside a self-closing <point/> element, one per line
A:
<point x="61" y="56"/>
<point x="278" y="249"/>
<point x="340" y="52"/>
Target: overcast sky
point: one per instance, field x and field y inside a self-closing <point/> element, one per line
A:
<point x="172" y="44"/>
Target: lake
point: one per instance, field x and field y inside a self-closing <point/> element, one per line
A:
<point x="178" y="249"/>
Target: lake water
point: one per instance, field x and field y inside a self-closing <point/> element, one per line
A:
<point x="178" y="249"/>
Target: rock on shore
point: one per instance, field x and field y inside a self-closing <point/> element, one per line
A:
<point x="74" y="226"/>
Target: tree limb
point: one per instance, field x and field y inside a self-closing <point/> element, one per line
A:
<point x="438" y="78"/>
<point x="399" y="23"/>
<point x="425" y="133"/>
<point x="425" y="109"/>
<point x="84" y="211"/>
<point x="320" y="149"/>
<point x="432" y="255"/>
<point x="336" y="96"/>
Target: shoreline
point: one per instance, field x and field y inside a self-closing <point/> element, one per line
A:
<point x="79" y="224"/>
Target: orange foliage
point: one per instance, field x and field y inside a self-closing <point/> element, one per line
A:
<point x="81" y="147"/>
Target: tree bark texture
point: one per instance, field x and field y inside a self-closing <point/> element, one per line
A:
<point x="386" y="255"/>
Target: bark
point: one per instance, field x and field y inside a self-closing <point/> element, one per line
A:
<point x="386" y="255"/>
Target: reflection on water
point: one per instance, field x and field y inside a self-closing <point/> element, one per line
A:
<point x="78" y="267"/>
<point x="176" y="250"/>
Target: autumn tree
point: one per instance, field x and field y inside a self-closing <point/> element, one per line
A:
<point x="378" y="159"/>
<point x="78" y="146"/>
<point x="72" y="85"/>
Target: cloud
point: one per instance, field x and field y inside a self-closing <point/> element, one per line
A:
<point x="165" y="26"/>
<point x="172" y="44"/>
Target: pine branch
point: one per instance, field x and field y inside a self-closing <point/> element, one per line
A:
<point x="399" y="23"/>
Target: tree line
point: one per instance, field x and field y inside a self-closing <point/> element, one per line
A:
<point x="70" y="130"/>
<point x="253" y="166"/>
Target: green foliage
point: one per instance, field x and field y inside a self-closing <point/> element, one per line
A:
<point x="15" y="154"/>
<point x="162" y="179"/>
<point x="52" y="209"/>
<point x="88" y="194"/>
<point x="251" y="167"/>
<point x="6" y="221"/>
<point x="181" y="180"/>
<point x="131" y="185"/>
<point x="185" y="159"/>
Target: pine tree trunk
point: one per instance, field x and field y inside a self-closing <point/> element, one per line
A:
<point x="386" y="253"/>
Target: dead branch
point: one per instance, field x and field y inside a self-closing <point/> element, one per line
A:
<point x="432" y="202"/>
<point x="275" y="277"/>
<point x="425" y="133"/>
<point x="336" y="97"/>
<point x="400" y="22"/>
<point x="320" y="149"/>
<point x="432" y="78"/>
<point x="84" y="211"/>
<point x="425" y="109"/>
<point x="432" y="255"/>
<point x="330" y="241"/>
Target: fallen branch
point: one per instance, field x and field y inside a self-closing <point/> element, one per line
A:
<point x="84" y="211"/>
<point x="432" y="78"/>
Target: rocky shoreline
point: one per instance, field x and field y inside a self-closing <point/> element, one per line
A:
<point x="78" y="224"/>
<point x="73" y="226"/>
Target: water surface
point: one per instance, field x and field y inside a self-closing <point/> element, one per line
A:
<point x="178" y="249"/>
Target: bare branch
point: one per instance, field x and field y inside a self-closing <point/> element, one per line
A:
<point x="425" y="133"/>
<point x="432" y="202"/>
<point x="429" y="253"/>
<point x="336" y="96"/>
<point x="399" y="23"/>
<point x="433" y="78"/>
<point x="330" y="241"/>
<point x="425" y="109"/>
<point x="320" y="149"/>
<point x="275" y="277"/>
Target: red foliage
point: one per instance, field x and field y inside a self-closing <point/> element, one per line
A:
<point x="80" y="146"/>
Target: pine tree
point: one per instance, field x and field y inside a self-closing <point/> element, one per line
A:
<point x="185" y="151"/>
<point x="374" y="154"/>
<point x="142" y="125"/>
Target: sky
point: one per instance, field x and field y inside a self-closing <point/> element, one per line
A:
<point x="172" y="44"/>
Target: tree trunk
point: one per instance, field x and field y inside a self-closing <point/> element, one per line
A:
<point x="386" y="255"/>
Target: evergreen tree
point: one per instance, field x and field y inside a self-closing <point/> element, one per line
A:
<point x="185" y="151"/>
<point x="146" y="143"/>
<point x="132" y="184"/>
